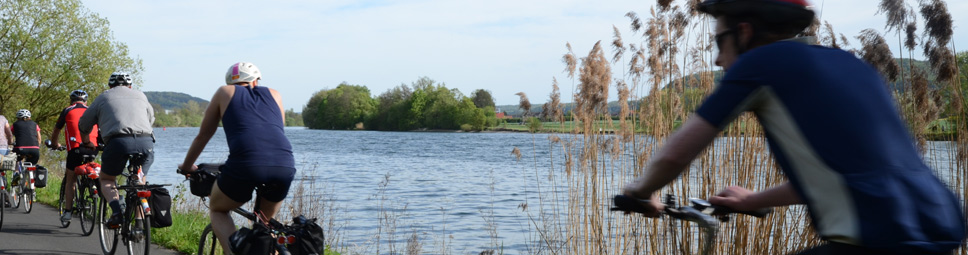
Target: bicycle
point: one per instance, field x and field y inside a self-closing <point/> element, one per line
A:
<point x="136" y="237"/>
<point x="6" y="192"/>
<point x="706" y="215"/>
<point x="208" y="243"/>
<point x="25" y="186"/>
<point x="86" y="196"/>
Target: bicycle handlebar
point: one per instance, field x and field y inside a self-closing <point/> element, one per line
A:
<point x="630" y="204"/>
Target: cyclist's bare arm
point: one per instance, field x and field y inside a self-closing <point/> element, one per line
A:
<point x="742" y="199"/>
<point x="680" y="149"/>
<point x="7" y="133"/>
<point x="213" y="114"/>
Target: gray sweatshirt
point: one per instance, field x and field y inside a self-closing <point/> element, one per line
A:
<point x="118" y="111"/>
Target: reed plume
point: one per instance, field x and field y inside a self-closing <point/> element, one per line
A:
<point x="911" y="38"/>
<point x="877" y="53"/>
<point x="829" y="38"/>
<point x="635" y="22"/>
<point x="570" y="62"/>
<point x="617" y="45"/>
<point x="938" y="26"/>
<point x="553" y="109"/>
<point x="524" y="103"/>
<point x="896" y="13"/>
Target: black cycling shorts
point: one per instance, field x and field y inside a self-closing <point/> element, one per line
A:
<point x="115" y="155"/>
<point x="238" y="182"/>
<point x="835" y="248"/>
<point x="31" y="155"/>
<point x="75" y="157"/>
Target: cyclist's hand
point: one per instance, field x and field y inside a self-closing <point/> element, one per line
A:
<point x="187" y="171"/>
<point x="735" y="198"/>
<point x="89" y="145"/>
<point x="653" y="204"/>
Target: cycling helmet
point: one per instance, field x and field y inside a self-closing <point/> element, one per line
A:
<point x="242" y="72"/>
<point x="792" y="14"/>
<point x="78" y="95"/>
<point x="119" y="79"/>
<point x="23" y="113"/>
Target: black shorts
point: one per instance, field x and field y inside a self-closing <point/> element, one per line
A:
<point x="115" y="155"/>
<point x="238" y="182"/>
<point x="28" y="154"/>
<point x="75" y="157"/>
<point x="835" y="248"/>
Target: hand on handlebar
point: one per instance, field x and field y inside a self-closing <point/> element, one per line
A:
<point x="736" y="198"/>
<point x="89" y="144"/>
<point x="187" y="171"/>
<point x="651" y="207"/>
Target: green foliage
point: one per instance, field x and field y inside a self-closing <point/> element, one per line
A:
<point x="172" y="100"/>
<point x="188" y="115"/>
<point x="48" y="49"/>
<point x="482" y="98"/>
<point x="294" y="119"/>
<point x="534" y="124"/>
<point x="339" y="108"/>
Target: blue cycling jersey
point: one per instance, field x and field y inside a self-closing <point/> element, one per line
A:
<point x="833" y="127"/>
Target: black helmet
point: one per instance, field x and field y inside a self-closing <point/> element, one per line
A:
<point x="119" y="79"/>
<point x="792" y="14"/>
<point x="78" y="95"/>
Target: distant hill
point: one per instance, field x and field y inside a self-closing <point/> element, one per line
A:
<point x="172" y="100"/>
<point x="690" y="82"/>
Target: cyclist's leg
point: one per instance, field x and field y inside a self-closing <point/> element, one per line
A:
<point x="74" y="159"/>
<point x="278" y="180"/>
<point x="220" y="205"/>
<point x="113" y="160"/>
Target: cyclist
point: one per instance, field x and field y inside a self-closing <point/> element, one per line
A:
<point x="75" y="152"/>
<point x="832" y="127"/>
<point x="259" y="152"/>
<point x="6" y="138"/>
<point x="26" y="135"/>
<point x="124" y="117"/>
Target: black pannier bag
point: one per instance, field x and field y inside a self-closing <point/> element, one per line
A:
<point x="257" y="240"/>
<point x="160" y="202"/>
<point x="309" y="237"/>
<point x="201" y="184"/>
<point x="40" y="177"/>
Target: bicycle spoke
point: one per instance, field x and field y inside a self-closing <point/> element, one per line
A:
<point x="139" y="235"/>
<point x="109" y="237"/>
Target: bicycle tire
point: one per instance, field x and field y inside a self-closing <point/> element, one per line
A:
<point x="85" y="208"/>
<point x="137" y="245"/>
<point x="28" y="201"/>
<point x="13" y="199"/>
<point x="208" y="244"/>
<point x="60" y="204"/>
<point x="108" y="237"/>
<point x="3" y="200"/>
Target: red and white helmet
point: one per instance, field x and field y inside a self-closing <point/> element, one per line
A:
<point x="242" y="72"/>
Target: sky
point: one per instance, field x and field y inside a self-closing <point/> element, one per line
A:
<point x="303" y="46"/>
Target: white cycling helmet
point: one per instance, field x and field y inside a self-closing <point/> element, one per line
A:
<point x="23" y="113"/>
<point x="242" y="72"/>
<point x="119" y="79"/>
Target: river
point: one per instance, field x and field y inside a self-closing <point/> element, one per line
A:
<point x="443" y="179"/>
<point x="447" y="187"/>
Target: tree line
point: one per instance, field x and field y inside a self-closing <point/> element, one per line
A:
<point x="424" y="104"/>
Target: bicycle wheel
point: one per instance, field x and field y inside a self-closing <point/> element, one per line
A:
<point x="27" y="199"/>
<point x="61" y="203"/>
<point x="85" y="208"/>
<point x="139" y="235"/>
<point x="109" y="237"/>
<point x="207" y="243"/>
<point x="3" y="200"/>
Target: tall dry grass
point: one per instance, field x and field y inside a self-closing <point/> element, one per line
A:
<point x="670" y="68"/>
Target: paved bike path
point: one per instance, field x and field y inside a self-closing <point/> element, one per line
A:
<point x="40" y="232"/>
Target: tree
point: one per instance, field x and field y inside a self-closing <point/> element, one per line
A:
<point x="343" y="107"/>
<point x="482" y="98"/>
<point x="50" y="48"/>
<point x="294" y="119"/>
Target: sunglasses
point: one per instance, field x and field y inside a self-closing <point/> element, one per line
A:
<point x="721" y="36"/>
